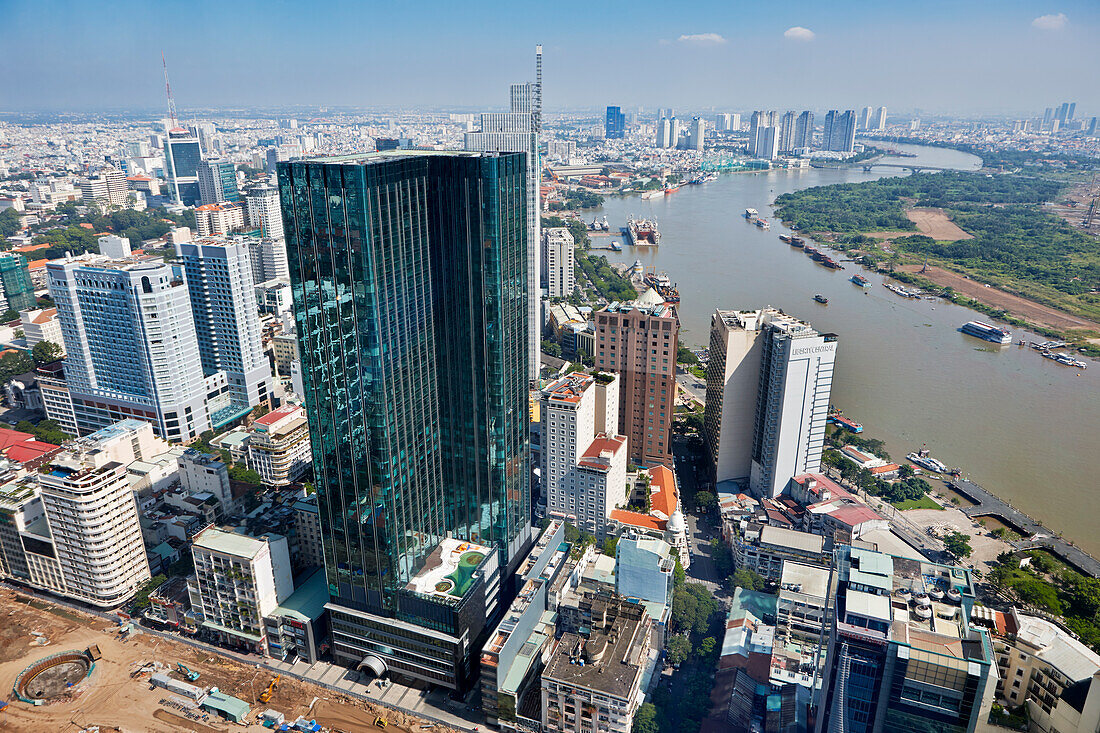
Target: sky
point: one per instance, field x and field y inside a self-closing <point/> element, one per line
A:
<point x="964" y="56"/>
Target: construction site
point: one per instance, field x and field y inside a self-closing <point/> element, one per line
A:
<point x="63" y="670"/>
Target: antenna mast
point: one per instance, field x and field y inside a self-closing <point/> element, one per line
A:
<point x="538" y="89"/>
<point x="168" y="90"/>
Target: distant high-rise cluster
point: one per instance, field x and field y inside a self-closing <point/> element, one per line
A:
<point x="840" y="131"/>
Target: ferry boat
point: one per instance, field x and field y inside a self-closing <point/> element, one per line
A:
<point x="860" y="280"/>
<point x="837" y="419"/>
<point x="821" y="299"/>
<point x="643" y="232"/>
<point x="985" y="331"/>
<point x="751" y="214"/>
<point x="924" y="460"/>
<point x="762" y="223"/>
<point x="1065" y="359"/>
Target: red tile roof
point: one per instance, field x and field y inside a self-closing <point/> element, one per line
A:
<point x="276" y="415"/>
<point x="8" y="438"/>
<point x="601" y="443"/>
<point x="663" y="497"/>
<point x="29" y="451"/>
<point x="634" y="519"/>
<point x="853" y="516"/>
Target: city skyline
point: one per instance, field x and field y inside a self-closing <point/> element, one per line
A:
<point x="802" y="56"/>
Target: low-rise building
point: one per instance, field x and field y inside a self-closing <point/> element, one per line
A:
<point x="597" y="681"/>
<point x="204" y="473"/>
<point x="297" y="629"/>
<point x="764" y="548"/>
<point x="278" y="445"/>
<point x="238" y="581"/>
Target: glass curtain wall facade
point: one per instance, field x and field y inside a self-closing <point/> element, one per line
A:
<point x="409" y="279"/>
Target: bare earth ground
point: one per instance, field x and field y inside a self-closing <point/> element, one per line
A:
<point x="1030" y="311"/>
<point x="936" y="224"/>
<point x="111" y="698"/>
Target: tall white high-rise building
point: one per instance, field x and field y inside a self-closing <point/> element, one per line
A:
<point x="130" y="343"/>
<point x="786" y="133"/>
<point x="558" y="261"/>
<point x="878" y="122"/>
<point x="768" y="386"/>
<point x="268" y="258"/>
<point x="722" y="122"/>
<point x="695" y="135"/>
<point x="92" y="516"/>
<point x="583" y="460"/>
<point x="673" y="132"/>
<point x="865" y="115"/>
<point x="840" y="131"/>
<point x="517" y="132"/>
<point x="664" y="132"/>
<point x="804" y="131"/>
<point x="264" y="211"/>
<point x="767" y="143"/>
<point x="227" y="319"/>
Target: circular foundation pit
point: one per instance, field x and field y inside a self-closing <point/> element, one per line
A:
<point x="53" y="676"/>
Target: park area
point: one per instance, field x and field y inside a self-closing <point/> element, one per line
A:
<point x="116" y="695"/>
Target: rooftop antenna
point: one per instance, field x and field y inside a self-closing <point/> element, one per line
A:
<point x="168" y="89"/>
<point x="538" y="88"/>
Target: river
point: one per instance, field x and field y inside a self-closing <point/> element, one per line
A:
<point x="1020" y="425"/>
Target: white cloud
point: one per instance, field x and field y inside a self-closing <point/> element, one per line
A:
<point x="702" y="39"/>
<point x="1054" y="22"/>
<point x="798" y="33"/>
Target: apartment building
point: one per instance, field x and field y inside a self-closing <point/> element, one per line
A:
<point x="278" y="445"/>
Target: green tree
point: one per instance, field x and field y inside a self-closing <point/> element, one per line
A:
<point x="707" y="645"/>
<point x="645" y="720"/>
<point x="141" y="599"/>
<point x="609" y="545"/>
<point x="679" y="649"/>
<point x="749" y="580"/>
<point x="705" y="501"/>
<point x="244" y="475"/>
<point x="45" y="352"/>
<point x="684" y="355"/>
<point x="958" y="544"/>
<point x="552" y="348"/>
<point x="12" y="364"/>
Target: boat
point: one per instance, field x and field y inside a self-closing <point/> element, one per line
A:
<point x="672" y="189"/>
<point x="924" y="460"/>
<point x="786" y="238"/>
<point x="811" y="251"/>
<point x="751" y="214"/>
<point x="821" y="299"/>
<point x="985" y="331"/>
<point x="837" y="419"/>
<point x="1064" y="359"/>
<point x="653" y="194"/>
<point x="860" y="280"/>
<point x="762" y="223"/>
<point x="663" y="285"/>
<point x="643" y="232"/>
<point x="616" y="246"/>
<point x="831" y="263"/>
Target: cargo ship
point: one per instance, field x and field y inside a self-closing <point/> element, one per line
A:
<point x="985" y="331"/>
<point x="837" y="419"/>
<point x="860" y="280"/>
<point x="643" y="232"/>
<point x="924" y="460"/>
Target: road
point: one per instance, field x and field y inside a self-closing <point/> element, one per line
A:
<point x="700" y="529"/>
<point x="691" y="384"/>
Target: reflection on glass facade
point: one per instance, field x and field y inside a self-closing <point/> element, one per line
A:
<point x="409" y="279"/>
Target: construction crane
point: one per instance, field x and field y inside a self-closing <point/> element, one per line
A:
<point x="265" y="696"/>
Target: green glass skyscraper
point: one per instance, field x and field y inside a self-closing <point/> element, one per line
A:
<point x="409" y="278"/>
<point x="16" y="281"/>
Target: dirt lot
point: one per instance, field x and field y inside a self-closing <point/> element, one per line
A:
<point x="936" y="224"/>
<point x="1028" y="310"/>
<point x="111" y="698"/>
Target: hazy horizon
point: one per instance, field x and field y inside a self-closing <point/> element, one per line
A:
<point x="1007" y="58"/>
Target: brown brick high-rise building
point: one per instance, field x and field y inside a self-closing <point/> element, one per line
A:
<point x="638" y="342"/>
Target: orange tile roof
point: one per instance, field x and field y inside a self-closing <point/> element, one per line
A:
<point x="86" y="226"/>
<point x="663" y="499"/>
<point x="634" y="519"/>
<point x="30" y="247"/>
<point x="602" y="442"/>
<point x="45" y="316"/>
<point x="35" y="264"/>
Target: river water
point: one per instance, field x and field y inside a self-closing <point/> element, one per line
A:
<point x="1024" y="427"/>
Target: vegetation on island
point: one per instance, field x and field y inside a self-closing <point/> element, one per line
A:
<point x="1015" y="245"/>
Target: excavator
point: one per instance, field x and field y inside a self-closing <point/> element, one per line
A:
<point x="190" y="674"/>
<point x="265" y="696"/>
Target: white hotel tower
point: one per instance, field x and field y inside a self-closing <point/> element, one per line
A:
<point x="768" y="386"/>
